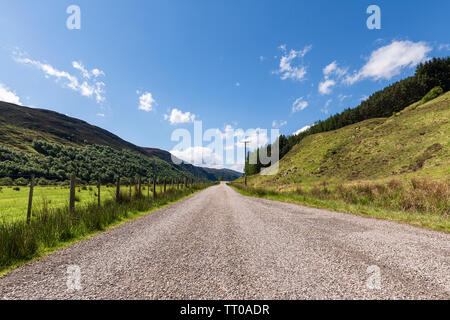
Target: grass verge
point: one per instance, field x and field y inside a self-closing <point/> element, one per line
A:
<point x="54" y="229"/>
<point x="365" y="205"/>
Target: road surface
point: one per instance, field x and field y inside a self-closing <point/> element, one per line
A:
<point x="218" y="244"/>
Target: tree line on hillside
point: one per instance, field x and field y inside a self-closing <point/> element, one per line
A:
<point x="54" y="163"/>
<point x="384" y="103"/>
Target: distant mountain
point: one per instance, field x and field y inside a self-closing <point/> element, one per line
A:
<point x="225" y="174"/>
<point x="20" y="126"/>
<point x="211" y="173"/>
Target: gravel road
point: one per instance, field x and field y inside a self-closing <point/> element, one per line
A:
<point x="218" y="244"/>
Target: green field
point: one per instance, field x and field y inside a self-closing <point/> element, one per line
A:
<point x="14" y="204"/>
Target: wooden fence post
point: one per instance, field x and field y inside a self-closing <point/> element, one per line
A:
<point x="30" y="199"/>
<point x="165" y="185"/>
<point x="148" y="190"/>
<point x="130" y="188"/>
<point x="72" y="193"/>
<point x="98" y="192"/>
<point x="118" y="190"/>
<point x="154" y="187"/>
<point x="139" y="187"/>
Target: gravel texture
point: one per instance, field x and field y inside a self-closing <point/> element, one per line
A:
<point x="218" y="244"/>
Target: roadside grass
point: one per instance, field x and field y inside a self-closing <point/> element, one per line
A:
<point x="420" y="203"/>
<point x="14" y="200"/>
<point x="54" y="228"/>
<point x="395" y="168"/>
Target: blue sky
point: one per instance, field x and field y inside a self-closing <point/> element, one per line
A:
<point x="235" y="64"/>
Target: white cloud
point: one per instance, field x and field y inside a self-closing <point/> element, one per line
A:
<point x="146" y="102"/>
<point x="287" y="68"/>
<point x="101" y="115"/>
<point x="9" y="96"/>
<point x="278" y="124"/>
<point x="79" y="66"/>
<point x="388" y="61"/>
<point x="333" y="69"/>
<point x="262" y="58"/>
<point x="97" y="73"/>
<point x="330" y="68"/>
<point x="257" y="138"/>
<point x="177" y="116"/>
<point x="325" y="107"/>
<point x="342" y="97"/>
<point x="301" y="130"/>
<point x="299" y="105"/>
<point x="364" y="98"/>
<point x="238" y="84"/>
<point x="86" y="88"/>
<point x="86" y="73"/>
<point x="325" y="86"/>
<point x="200" y="156"/>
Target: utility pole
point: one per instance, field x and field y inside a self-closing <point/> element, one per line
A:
<point x="245" y="160"/>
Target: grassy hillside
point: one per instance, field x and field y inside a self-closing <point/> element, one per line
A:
<point x="412" y="143"/>
<point x="19" y="126"/>
<point x="395" y="168"/>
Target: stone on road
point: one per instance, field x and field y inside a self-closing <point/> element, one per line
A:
<point x="219" y="244"/>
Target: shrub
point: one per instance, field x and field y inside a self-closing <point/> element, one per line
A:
<point x="42" y="182"/>
<point x="6" y="182"/>
<point x="16" y="189"/>
<point x="21" y="182"/>
<point x="432" y="94"/>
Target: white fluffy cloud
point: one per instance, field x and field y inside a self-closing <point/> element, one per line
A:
<point x="9" y="96"/>
<point x="146" y="102"/>
<point x="86" y="73"/>
<point x="334" y="69"/>
<point x="299" y="105"/>
<point x="331" y="70"/>
<point x="200" y="156"/>
<point x="326" y="85"/>
<point x="256" y="138"/>
<point x="342" y="97"/>
<point x="325" y="107"/>
<point x="177" y="116"/>
<point x="288" y="69"/>
<point x="278" y="124"/>
<point x="301" y="130"/>
<point x="86" y="88"/>
<point x="388" y="61"/>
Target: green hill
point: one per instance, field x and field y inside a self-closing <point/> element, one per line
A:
<point x="395" y="168"/>
<point x="412" y="143"/>
<point x="20" y="127"/>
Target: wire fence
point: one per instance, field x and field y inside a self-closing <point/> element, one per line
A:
<point x="122" y="188"/>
